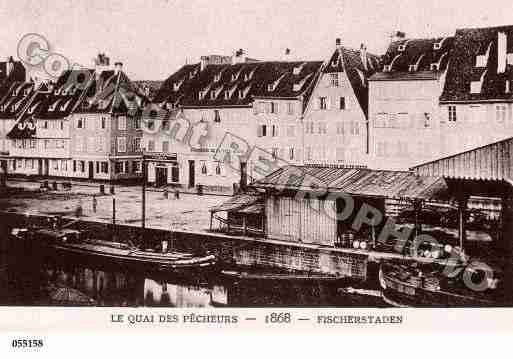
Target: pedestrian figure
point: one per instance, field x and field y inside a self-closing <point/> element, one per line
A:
<point x="79" y="210"/>
<point x="177" y="194"/>
<point x="95" y="203"/>
<point x="166" y="193"/>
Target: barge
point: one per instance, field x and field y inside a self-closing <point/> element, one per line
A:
<point x="72" y="242"/>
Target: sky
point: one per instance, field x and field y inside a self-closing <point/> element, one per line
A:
<point x="153" y="38"/>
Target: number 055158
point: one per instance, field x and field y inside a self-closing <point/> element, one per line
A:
<point x="27" y="343"/>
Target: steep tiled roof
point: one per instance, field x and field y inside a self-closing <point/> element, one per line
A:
<point x="357" y="69"/>
<point x="84" y="91"/>
<point x="17" y="74"/>
<point x="237" y="84"/>
<point x="413" y="59"/>
<point x="463" y="69"/>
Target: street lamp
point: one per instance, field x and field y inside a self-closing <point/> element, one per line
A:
<point x="143" y="164"/>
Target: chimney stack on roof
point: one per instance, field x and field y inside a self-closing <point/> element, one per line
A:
<point x="338" y="43"/>
<point x="363" y="55"/>
<point x="9" y="65"/>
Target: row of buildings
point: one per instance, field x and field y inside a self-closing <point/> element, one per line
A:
<point x="231" y="119"/>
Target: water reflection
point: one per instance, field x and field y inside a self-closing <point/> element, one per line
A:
<point x="58" y="282"/>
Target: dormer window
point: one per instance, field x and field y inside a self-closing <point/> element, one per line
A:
<point x="241" y="94"/>
<point x="482" y="60"/>
<point x="26" y="91"/>
<point x="177" y="85"/>
<point x="217" y="77"/>
<point x="401" y="48"/>
<point x="53" y="106"/>
<point x="297" y="69"/>
<point x="437" y="46"/>
<point x="65" y="106"/>
<point x="235" y="76"/>
<point x="411" y="68"/>
<point x="434" y="67"/>
<point x="201" y="95"/>
<point x="227" y="95"/>
<point x="270" y="87"/>
<point x="508" y="86"/>
<point x="387" y="68"/>
<point x="213" y="95"/>
<point x="476" y="86"/>
<point x="192" y="74"/>
<point x="334" y="63"/>
<point x="32" y="108"/>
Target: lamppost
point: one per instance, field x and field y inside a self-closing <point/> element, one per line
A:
<point x="144" y="171"/>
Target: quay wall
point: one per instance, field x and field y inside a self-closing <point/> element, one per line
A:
<point x="242" y="251"/>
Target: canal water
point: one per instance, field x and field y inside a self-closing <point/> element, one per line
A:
<point x="56" y="282"/>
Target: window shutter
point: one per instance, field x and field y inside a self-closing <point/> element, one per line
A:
<point x="328" y="103"/>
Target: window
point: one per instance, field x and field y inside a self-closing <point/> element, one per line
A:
<point x="32" y="143"/>
<point x="121" y="144"/>
<point x="64" y="165"/>
<point x="103" y="123"/>
<point x="150" y="124"/>
<point x="392" y="120"/>
<point x="323" y="128"/>
<point x="355" y="128"/>
<point x="79" y="144"/>
<point x="165" y="146"/>
<point x="262" y="131"/>
<point x="290" y="108"/>
<point x="381" y="119"/>
<point x="340" y="128"/>
<point x="175" y="173"/>
<point x="81" y="166"/>
<point x="136" y="166"/>
<point x="427" y="119"/>
<point x="55" y="165"/>
<point x="100" y="144"/>
<point x="217" y="118"/>
<point x="165" y="125"/>
<point x="126" y="167"/>
<point x="334" y="80"/>
<point x="80" y="123"/>
<point x="274" y="130"/>
<point x="97" y="167"/>
<point x="118" y="167"/>
<point x="308" y="153"/>
<point x="74" y="166"/>
<point x="204" y="167"/>
<point x="137" y="144"/>
<point x="274" y="107"/>
<point x="291" y="153"/>
<point x="309" y="127"/>
<point x="274" y="152"/>
<point x="104" y="166"/>
<point x="45" y="125"/>
<point x="452" y="113"/>
<point x="121" y="123"/>
<point x="342" y="103"/>
<point x="500" y="113"/>
<point x="62" y="125"/>
<point x="151" y="145"/>
<point x="218" y="168"/>
<point x="323" y="103"/>
<point x="137" y="123"/>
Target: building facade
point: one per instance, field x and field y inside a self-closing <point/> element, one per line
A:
<point x="335" y="122"/>
<point x="85" y="125"/>
<point x="404" y="114"/>
<point x="221" y="124"/>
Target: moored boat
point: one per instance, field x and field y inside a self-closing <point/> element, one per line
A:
<point x="267" y="275"/>
<point x="74" y="242"/>
<point x="415" y="284"/>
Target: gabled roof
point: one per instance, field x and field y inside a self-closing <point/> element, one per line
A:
<point x="17" y="74"/>
<point x="412" y="59"/>
<point x="358" y="66"/>
<point x="468" y="44"/>
<point x="252" y="78"/>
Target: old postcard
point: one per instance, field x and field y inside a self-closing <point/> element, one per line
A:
<point x="329" y="165"/>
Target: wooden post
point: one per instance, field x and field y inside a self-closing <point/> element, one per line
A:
<point x="244" y="225"/>
<point x="462" y="220"/>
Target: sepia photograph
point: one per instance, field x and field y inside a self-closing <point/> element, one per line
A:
<point x="256" y="154"/>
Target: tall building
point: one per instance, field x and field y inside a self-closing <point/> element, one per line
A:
<point x="85" y="125"/>
<point x="335" y="121"/>
<point x="404" y="114"/>
<point x="227" y="120"/>
<point x="477" y="101"/>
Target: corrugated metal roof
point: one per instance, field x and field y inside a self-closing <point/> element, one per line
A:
<point x="364" y="182"/>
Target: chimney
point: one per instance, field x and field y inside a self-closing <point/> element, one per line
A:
<point x="118" y="66"/>
<point x="501" y="52"/>
<point x="338" y="43"/>
<point x="203" y="62"/>
<point x="363" y="55"/>
<point x="239" y="57"/>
